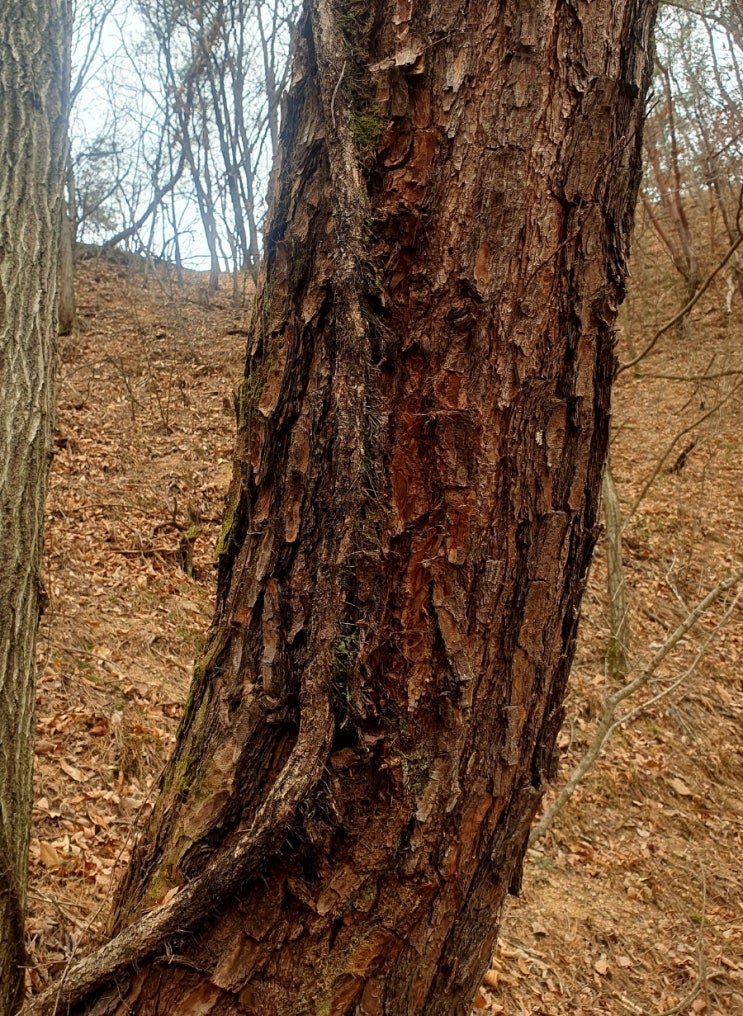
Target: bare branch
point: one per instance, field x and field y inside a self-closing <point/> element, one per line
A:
<point x="694" y="377"/>
<point x="617" y="654"/>
<point x="659" y="464"/>
<point x="686" y="309"/>
<point x="159" y="194"/>
<point x="608" y="724"/>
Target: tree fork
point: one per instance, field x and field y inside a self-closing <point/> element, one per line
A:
<point x="421" y="432"/>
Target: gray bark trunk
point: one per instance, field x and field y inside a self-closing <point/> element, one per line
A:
<point x="34" y="80"/>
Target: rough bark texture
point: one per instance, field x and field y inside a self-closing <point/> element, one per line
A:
<point x="34" y="75"/>
<point x="421" y="434"/>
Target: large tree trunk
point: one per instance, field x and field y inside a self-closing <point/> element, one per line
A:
<point x="421" y="434"/>
<point x="34" y="79"/>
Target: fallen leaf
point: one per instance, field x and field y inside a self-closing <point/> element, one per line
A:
<point x="97" y="819"/>
<point x="680" y="787"/>
<point x="601" y="966"/>
<point x="72" y="771"/>
<point x="169" y="895"/>
<point x="49" y="855"/>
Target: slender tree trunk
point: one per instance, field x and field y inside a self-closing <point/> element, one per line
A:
<point x="67" y="311"/>
<point x="422" y="430"/>
<point x="617" y="651"/>
<point x="662" y="149"/>
<point x="34" y="82"/>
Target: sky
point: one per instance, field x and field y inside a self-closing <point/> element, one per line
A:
<point x="117" y="139"/>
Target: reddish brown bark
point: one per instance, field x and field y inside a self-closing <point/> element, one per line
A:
<point x="421" y="435"/>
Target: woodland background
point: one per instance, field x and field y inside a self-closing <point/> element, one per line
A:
<point x="633" y="899"/>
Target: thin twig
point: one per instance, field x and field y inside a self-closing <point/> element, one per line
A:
<point x="659" y="464"/>
<point x="691" y="303"/>
<point x="608" y="724"/>
<point x="693" y="377"/>
<point x="643" y="706"/>
<point x="686" y="309"/>
<point x="335" y="92"/>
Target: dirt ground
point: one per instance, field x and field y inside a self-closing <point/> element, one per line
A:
<point x="633" y="901"/>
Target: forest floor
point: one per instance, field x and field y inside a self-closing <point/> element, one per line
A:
<point x="633" y="901"/>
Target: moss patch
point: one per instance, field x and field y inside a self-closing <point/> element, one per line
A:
<point x="229" y="524"/>
<point x="367" y="128"/>
<point x="415" y="766"/>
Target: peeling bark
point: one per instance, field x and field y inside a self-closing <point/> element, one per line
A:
<point x="34" y="79"/>
<point x="422" y="429"/>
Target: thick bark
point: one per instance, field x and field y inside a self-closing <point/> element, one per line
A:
<point x="421" y="434"/>
<point x="34" y="79"/>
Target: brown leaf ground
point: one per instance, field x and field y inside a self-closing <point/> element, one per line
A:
<point x="633" y="903"/>
<point x="144" y="440"/>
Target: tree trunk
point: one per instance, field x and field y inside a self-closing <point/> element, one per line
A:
<point x="421" y="433"/>
<point x="618" y="648"/>
<point x="67" y="311"/>
<point x="34" y="81"/>
<point x="664" y="156"/>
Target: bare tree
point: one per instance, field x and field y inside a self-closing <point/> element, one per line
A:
<point x="211" y="55"/>
<point x="88" y="22"/>
<point x="694" y="140"/>
<point x="192" y="100"/>
<point x="664" y="199"/>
